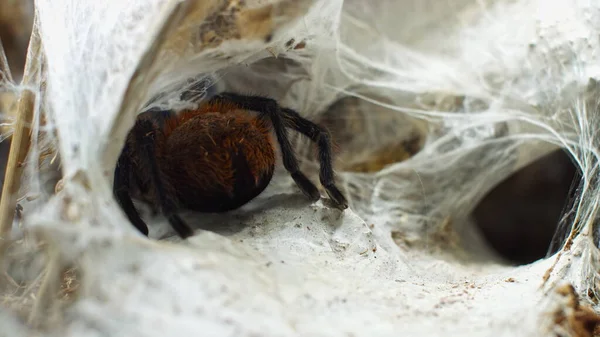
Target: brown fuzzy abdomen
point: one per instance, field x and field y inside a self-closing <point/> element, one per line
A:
<point x="218" y="161"/>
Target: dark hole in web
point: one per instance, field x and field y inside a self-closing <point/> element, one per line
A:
<point x="520" y="216"/>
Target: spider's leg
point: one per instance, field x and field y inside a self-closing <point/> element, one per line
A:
<point x="145" y="135"/>
<point x="269" y="108"/>
<point x="321" y="137"/>
<point x="121" y="187"/>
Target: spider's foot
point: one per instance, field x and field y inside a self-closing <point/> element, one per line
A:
<point x="336" y="197"/>
<point x="183" y="230"/>
<point x="306" y="186"/>
<point x="141" y="226"/>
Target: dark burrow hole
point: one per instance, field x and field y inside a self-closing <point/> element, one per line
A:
<point x="519" y="217"/>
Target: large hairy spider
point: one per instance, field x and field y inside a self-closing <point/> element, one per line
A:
<point x="215" y="158"/>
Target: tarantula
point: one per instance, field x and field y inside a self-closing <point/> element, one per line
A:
<point x="215" y="158"/>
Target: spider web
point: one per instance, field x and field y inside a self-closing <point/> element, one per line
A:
<point x="494" y="84"/>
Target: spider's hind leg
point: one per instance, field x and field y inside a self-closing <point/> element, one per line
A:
<point x="270" y="109"/>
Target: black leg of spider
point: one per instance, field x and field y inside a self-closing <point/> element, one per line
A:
<point x="121" y="187"/>
<point x="144" y="140"/>
<point x="271" y="109"/>
<point x="322" y="138"/>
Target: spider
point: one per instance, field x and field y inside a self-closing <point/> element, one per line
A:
<point x="215" y="158"/>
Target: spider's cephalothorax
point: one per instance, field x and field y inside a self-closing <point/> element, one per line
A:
<point x="215" y="158"/>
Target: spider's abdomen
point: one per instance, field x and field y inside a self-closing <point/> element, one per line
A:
<point x="218" y="161"/>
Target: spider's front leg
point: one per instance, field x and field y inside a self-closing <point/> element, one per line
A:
<point x="270" y="109"/>
<point x="145" y="147"/>
<point x="321" y="137"/>
<point x="316" y="133"/>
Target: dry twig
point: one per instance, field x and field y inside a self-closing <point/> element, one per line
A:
<point x="21" y="139"/>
